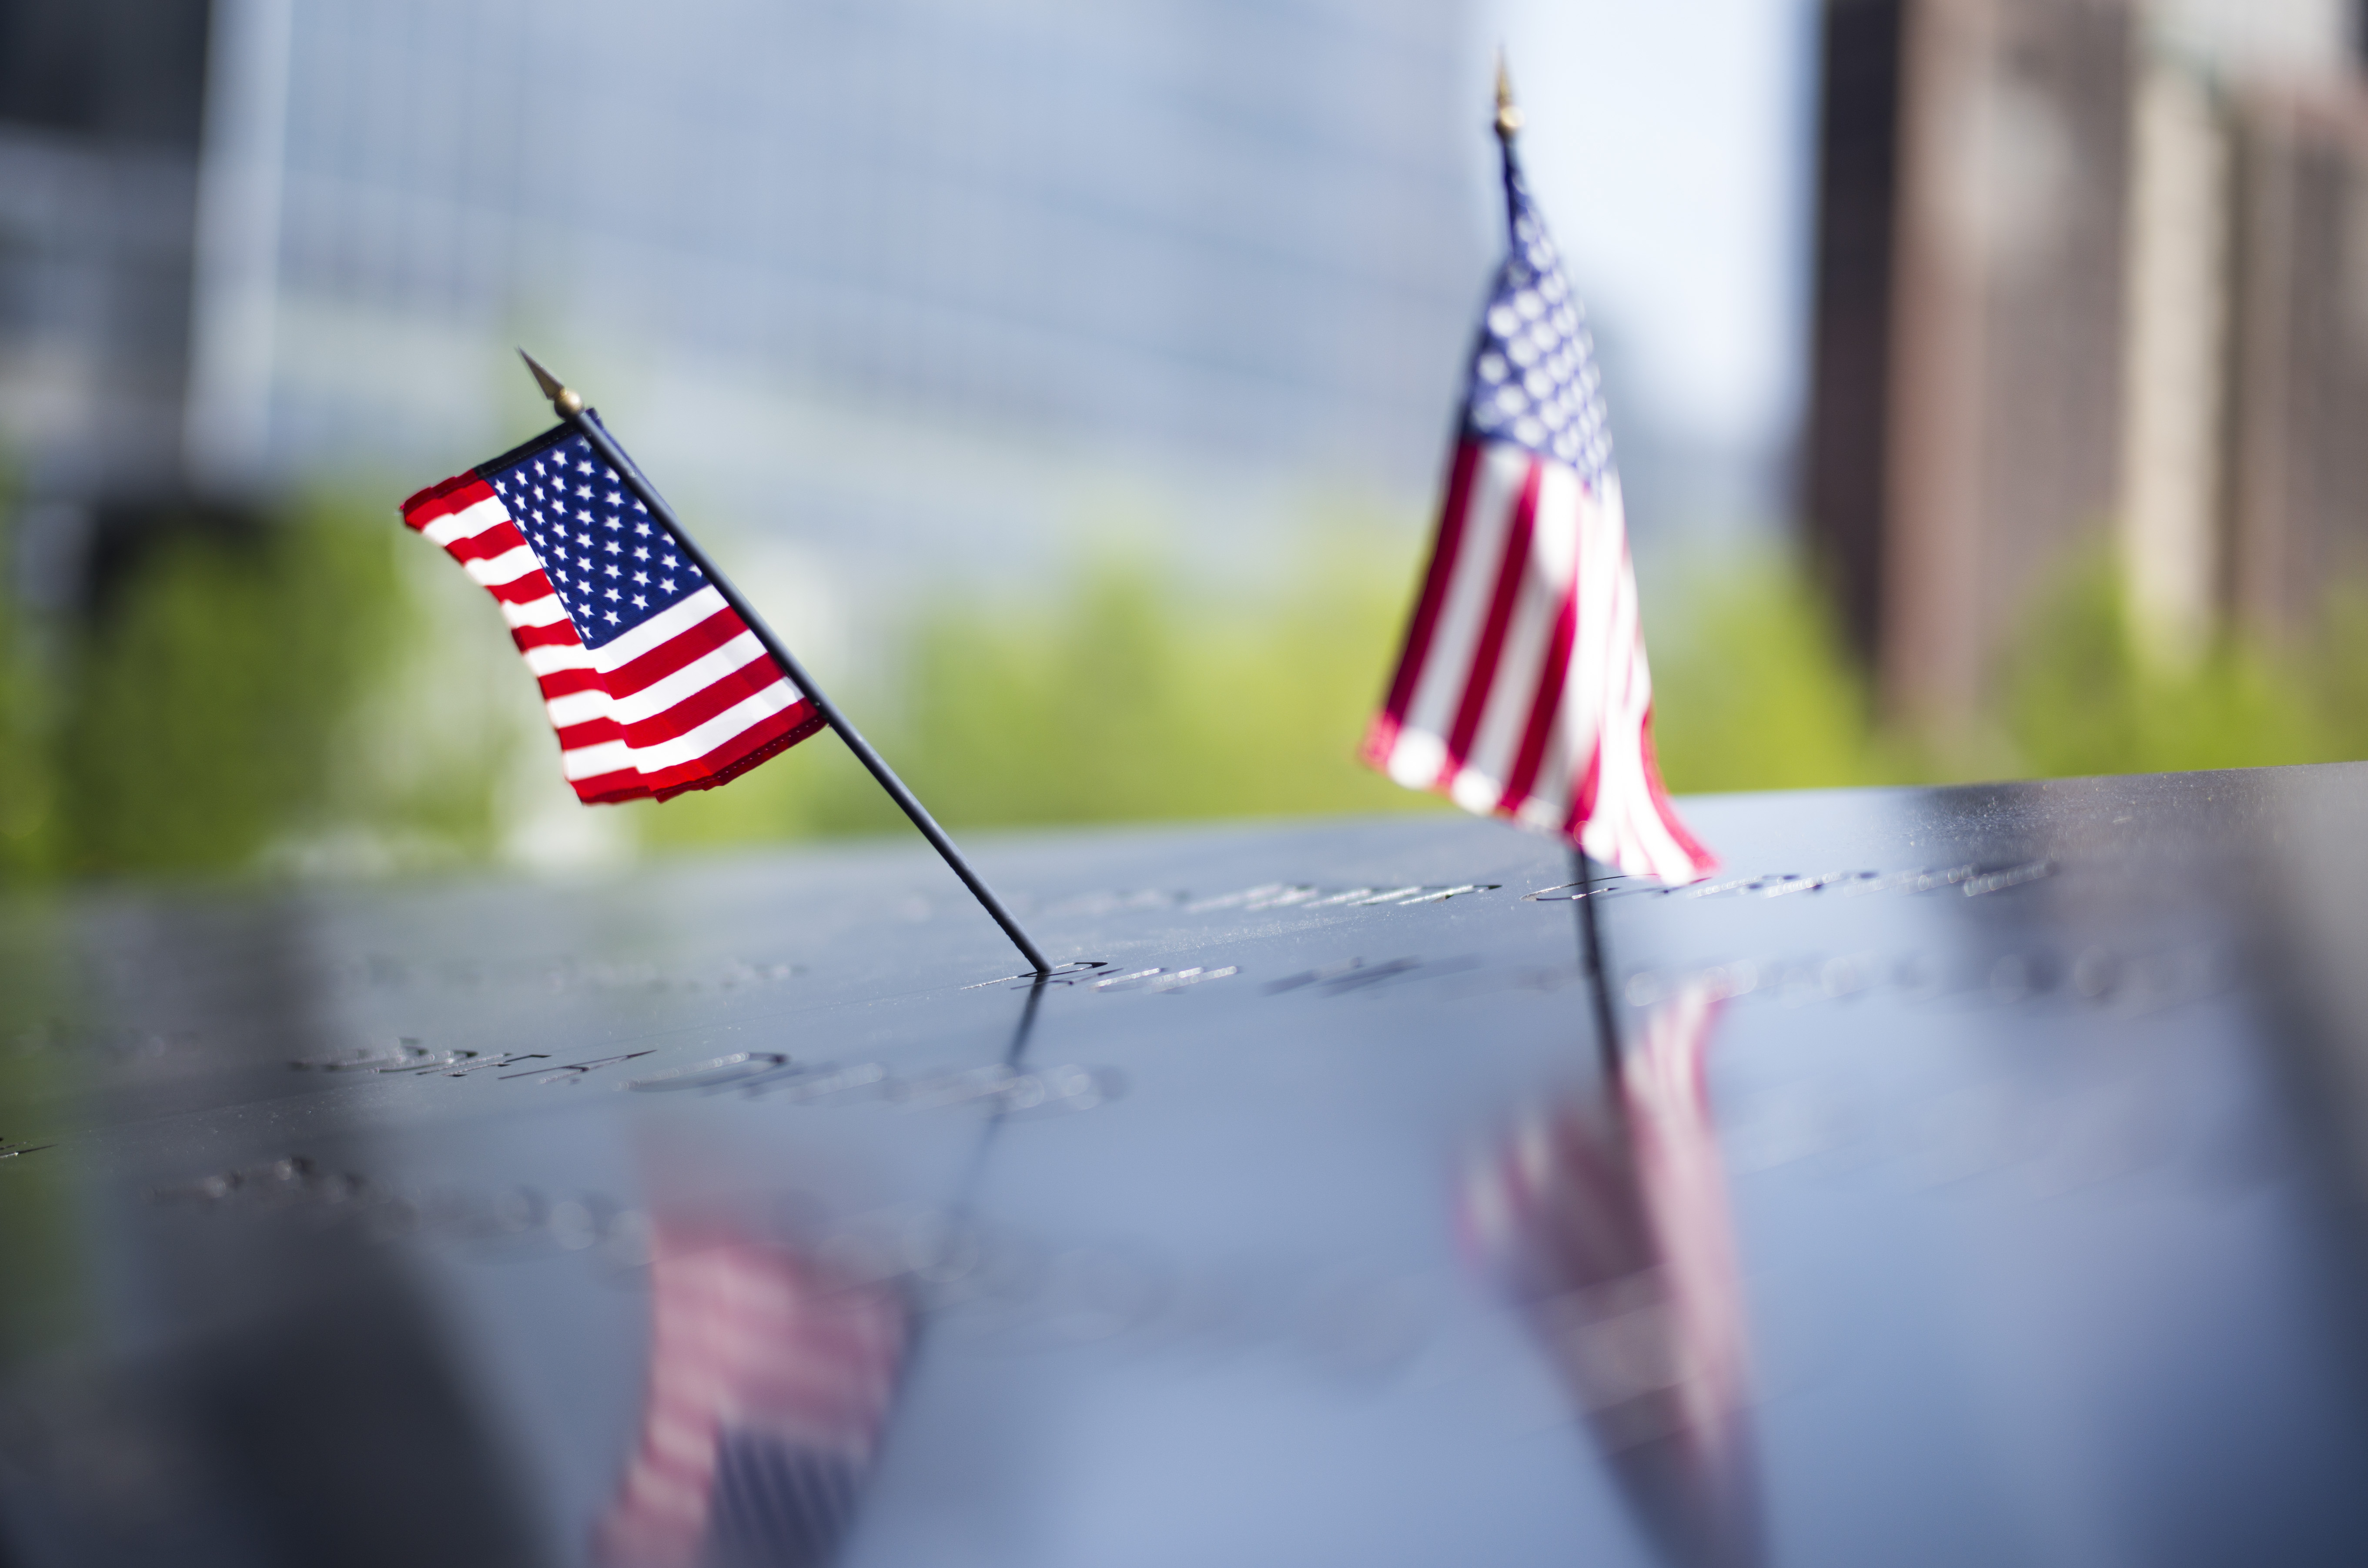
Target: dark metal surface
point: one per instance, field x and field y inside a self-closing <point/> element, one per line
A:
<point x="2022" y="1226"/>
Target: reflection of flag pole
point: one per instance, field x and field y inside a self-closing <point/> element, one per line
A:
<point x="1606" y="1216"/>
<point x="773" y="1387"/>
<point x="570" y="408"/>
<point x="1590" y="942"/>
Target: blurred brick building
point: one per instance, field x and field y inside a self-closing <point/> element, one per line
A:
<point x="2090" y="274"/>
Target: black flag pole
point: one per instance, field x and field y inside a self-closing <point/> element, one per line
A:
<point x="1590" y="931"/>
<point x="570" y="408"/>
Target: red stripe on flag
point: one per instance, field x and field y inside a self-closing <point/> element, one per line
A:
<point x="456" y="493"/>
<point x="698" y="707"/>
<point x="777" y="733"/>
<point x="694" y="642"/>
<point x="1452" y="508"/>
<point x="1582" y="804"/>
<point x="499" y="540"/>
<point x="611" y="789"/>
<point x="590" y="732"/>
<point x="1546" y="707"/>
<point x="1667" y="809"/>
<point x="558" y="634"/>
<point x="523" y="589"/>
<point x="567" y="682"/>
<point x="1512" y="566"/>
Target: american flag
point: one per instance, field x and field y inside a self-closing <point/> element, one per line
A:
<point x="653" y="683"/>
<point x="1522" y="690"/>
<point x="769" y="1381"/>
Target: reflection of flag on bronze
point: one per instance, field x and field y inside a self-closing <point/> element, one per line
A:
<point x="1523" y="690"/>
<point x="1610" y="1226"/>
<point x="768" y="1385"/>
<point x="654" y="685"/>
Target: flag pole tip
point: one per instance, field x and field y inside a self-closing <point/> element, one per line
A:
<point x="562" y="397"/>
<point x="1508" y="115"/>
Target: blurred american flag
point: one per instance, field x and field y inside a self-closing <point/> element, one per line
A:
<point x="1522" y="690"/>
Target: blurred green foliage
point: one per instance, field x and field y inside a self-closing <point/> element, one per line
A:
<point x="26" y="775"/>
<point x="1121" y="697"/>
<point x="206" y="693"/>
<point x="2078" y="699"/>
<point x="1755" y="692"/>
<point x="1751" y="687"/>
<point x="324" y="693"/>
<point x="240" y="695"/>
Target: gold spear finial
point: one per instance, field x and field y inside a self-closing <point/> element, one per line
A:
<point x="563" y="398"/>
<point x="1508" y="116"/>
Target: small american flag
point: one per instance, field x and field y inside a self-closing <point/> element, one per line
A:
<point x="653" y="683"/>
<point x="1523" y="690"/>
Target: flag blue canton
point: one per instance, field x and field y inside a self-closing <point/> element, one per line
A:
<point x="1535" y="383"/>
<point x="612" y="564"/>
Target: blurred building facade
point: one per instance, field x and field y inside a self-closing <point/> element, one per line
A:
<point x="915" y="284"/>
<point x="100" y="115"/>
<point x="2090" y="273"/>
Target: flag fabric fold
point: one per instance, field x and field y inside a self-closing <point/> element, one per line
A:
<point x="1522" y="690"/>
<point x="653" y="684"/>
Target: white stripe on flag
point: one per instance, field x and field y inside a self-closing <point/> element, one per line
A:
<point x="551" y="657"/>
<point x="690" y="680"/>
<point x="507" y="567"/>
<point x="544" y="611"/>
<point x="590" y="762"/>
<point x="662" y="628"/>
<point x="1495" y="492"/>
<point x="1545" y="578"/>
<point x="467" y="523"/>
<point x="694" y="744"/>
<point x="573" y="708"/>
